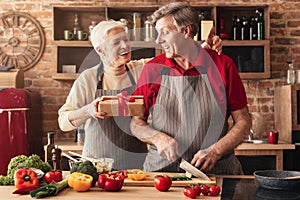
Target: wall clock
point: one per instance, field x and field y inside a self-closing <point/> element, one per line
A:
<point x="22" y="40"/>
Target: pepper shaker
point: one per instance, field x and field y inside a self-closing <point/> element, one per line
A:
<point x="56" y="158"/>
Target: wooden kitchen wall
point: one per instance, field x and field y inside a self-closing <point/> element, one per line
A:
<point x="285" y="30"/>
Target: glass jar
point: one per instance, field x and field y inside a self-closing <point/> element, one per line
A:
<point x="149" y="31"/>
<point x="125" y="22"/>
<point x="93" y="24"/>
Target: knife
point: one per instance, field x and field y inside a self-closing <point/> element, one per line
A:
<point x="193" y="170"/>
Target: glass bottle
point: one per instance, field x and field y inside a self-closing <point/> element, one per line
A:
<point x="252" y="29"/>
<point x="136" y="26"/>
<point x="49" y="148"/>
<point x="223" y="33"/>
<point x="260" y="25"/>
<point x="76" y="27"/>
<point x="56" y="158"/>
<point x="201" y="17"/>
<point x="291" y="74"/>
<point x="244" y="29"/>
<point x="236" y="31"/>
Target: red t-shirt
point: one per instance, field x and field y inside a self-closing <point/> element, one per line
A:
<point x="221" y="71"/>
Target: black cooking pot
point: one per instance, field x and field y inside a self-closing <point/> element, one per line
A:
<point x="278" y="180"/>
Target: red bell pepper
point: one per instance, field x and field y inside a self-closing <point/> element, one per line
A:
<point x="111" y="182"/>
<point x="25" y="181"/>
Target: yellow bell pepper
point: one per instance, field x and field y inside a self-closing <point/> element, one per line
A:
<point x="136" y="175"/>
<point x="80" y="182"/>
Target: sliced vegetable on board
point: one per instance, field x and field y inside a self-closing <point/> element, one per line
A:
<point x="80" y="182"/>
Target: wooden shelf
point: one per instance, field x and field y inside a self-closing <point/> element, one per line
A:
<point x="252" y="57"/>
<point x="64" y="76"/>
<point x="245" y="43"/>
<point x="72" y="43"/>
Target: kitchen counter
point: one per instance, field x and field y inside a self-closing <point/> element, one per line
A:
<point x="127" y="192"/>
<point x="233" y="188"/>
<point x="245" y="149"/>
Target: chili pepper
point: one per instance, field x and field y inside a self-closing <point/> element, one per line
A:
<point x="24" y="190"/>
<point x="80" y="182"/>
<point x="111" y="182"/>
<point x="25" y="179"/>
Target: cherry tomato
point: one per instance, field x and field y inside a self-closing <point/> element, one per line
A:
<point x="204" y="190"/>
<point x="214" y="190"/>
<point x="190" y="192"/>
<point x="162" y="183"/>
<point x="198" y="189"/>
<point x="53" y="176"/>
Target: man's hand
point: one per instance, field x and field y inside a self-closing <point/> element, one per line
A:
<point x="213" y="42"/>
<point x="206" y="159"/>
<point x="167" y="146"/>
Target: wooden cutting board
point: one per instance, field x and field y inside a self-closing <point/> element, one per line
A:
<point x="149" y="180"/>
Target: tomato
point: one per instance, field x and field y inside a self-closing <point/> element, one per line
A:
<point x="53" y="176"/>
<point x="204" y="190"/>
<point x="162" y="183"/>
<point x="214" y="190"/>
<point x="111" y="182"/>
<point x="190" y="192"/>
<point x="198" y="189"/>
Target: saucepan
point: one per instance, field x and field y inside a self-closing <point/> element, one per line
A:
<point x="278" y="179"/>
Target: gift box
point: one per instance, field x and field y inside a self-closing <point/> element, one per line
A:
<point x="122" y="105"/>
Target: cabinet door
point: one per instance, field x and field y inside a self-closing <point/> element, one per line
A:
<point x="251" y="57"/>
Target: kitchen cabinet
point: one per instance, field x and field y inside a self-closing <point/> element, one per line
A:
<point x="251" y="56"/>
<point x="287" y="112"/>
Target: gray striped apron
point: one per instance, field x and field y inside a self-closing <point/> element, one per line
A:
<point x="187" y="110"/>
<point x="111" y="137"/>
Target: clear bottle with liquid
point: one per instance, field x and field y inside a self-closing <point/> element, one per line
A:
<point x="49" y="147"/>
<point x="291" y="74"/>
<point x="136" y="26"/>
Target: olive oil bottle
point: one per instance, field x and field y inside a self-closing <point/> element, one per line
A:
<point x="49" y="148"/>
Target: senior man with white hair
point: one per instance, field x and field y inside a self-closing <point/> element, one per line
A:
<point x="106" y="136"/>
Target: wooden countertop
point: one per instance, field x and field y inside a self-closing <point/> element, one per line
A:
<point x="127" y="192"/>
<point x="73" y="146"/>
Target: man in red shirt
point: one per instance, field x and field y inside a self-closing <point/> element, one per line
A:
<point x="189" y="95"/>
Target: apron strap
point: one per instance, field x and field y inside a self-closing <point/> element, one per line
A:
<point x="165" y="71"/>
<point x="130" y="75"/>
<point x="201" y="69"/>
<point x="100" y="76"/>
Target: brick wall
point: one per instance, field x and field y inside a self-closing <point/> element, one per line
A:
<point x="285" y="43"/>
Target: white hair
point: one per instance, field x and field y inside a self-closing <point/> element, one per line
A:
<point x="99" y="32"/>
